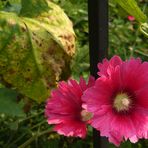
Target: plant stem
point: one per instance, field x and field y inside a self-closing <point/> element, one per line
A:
<point x="140" y="52"/>
<point x="39" y="124"/>
<point x="34" y="137"/>
<point x="32" y="116"/>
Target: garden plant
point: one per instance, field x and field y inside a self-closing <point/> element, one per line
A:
<point x="49" y="99"/>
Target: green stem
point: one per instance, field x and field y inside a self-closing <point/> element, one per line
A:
<point x="21" y="136"/>
<point x="140" y="52"/>
<point x="32" y="116"/>
<point x="134" y="44"/>
<point x="34" y="137"/>
<point x="40" y="123"/>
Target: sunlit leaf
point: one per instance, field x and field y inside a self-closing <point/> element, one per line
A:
<point x="35" y="52"/>
<point x="132" y="8"/>
<point x="144" y="29"/>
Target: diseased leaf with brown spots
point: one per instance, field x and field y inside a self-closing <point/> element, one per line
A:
<point x="35" y="52"/>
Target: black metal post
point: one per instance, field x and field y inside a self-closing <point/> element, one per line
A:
<point x="98" y="44"/>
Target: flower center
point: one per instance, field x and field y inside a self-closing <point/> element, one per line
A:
<point x="122" y="102"/>
<point x="85" y="116"/>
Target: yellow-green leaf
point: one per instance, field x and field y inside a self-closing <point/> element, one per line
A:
<point x="35" y="52"/>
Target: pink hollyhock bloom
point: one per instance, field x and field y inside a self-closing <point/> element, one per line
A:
<point x="119" y="100"/>
<point x="64" y="108"/>
<point x="131" y="18"/>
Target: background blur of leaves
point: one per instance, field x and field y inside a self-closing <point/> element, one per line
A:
<point x="124" y="40"/>
<point x="124" y="37"/>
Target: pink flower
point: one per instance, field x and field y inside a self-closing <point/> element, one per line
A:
<point x="119" y="100"/>
<point x="131" y="18"/>
<point x="64" y="108"/>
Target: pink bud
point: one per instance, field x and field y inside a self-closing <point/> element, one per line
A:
<point x="131" y="18"/>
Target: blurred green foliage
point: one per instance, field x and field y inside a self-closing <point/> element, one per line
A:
<point x="125" y="40"/>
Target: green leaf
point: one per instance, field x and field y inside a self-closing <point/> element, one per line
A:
<point x="144" y="29"/>
<point x="132" y="8"/>
<point x="35" y="53"/>
<point x="33" y="8"/>
<point x="8" y="104"/>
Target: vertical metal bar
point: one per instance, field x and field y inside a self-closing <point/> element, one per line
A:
<point x="98" y="44"/>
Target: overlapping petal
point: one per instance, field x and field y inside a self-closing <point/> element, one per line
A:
<point x="116" y="77"/>
<point x="64" y="107"/>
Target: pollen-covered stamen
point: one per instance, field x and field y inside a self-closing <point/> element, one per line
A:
<point x="85" y="115"/>
<point x="122" y="102"/>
